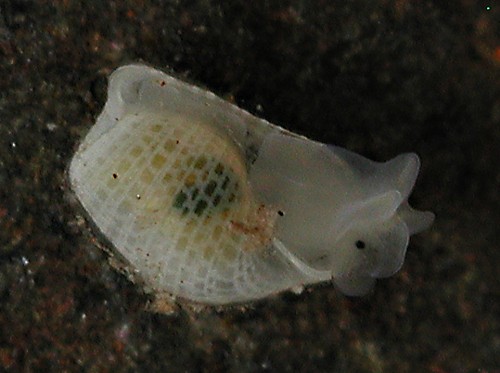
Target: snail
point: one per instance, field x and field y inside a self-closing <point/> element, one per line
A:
<point x="211" y="204"/>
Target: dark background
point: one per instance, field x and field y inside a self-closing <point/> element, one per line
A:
<point x="379" y="77"/>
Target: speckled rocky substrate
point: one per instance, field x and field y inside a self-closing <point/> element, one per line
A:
<point x="379" y="77"/>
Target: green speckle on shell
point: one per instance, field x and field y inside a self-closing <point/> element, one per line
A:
<point x="209" y="187"/>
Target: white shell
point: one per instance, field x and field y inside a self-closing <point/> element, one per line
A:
<point x="209" y="203"/>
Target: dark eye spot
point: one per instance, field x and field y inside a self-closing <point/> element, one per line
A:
<point x="281" y="213"/>
<point x="360" y="244"/>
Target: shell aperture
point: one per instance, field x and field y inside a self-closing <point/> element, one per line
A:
<point x="211" y="204"/>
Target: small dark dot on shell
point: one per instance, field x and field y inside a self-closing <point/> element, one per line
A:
<point x="360" y="244"/>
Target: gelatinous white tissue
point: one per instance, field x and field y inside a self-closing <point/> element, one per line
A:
<point x="208" y="203"/>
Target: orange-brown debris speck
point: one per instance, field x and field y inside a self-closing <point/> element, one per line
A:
<point x="496" y="54"/>
<point x="259" y="227"/>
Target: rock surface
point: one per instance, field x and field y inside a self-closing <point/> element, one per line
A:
<point x="379" y="78"/>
